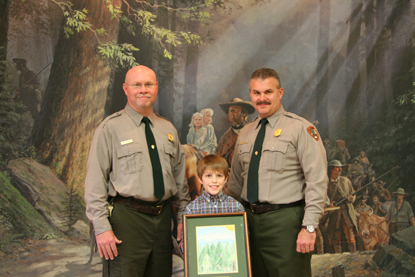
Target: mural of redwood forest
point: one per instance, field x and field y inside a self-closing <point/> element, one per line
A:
<point x="348" y="66"/>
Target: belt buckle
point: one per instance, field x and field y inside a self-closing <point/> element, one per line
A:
<point x="252" y="207"/>
<point x="160" y="207"/>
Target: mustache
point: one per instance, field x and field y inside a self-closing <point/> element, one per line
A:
<point x="143" y="95"/>
<point x="263" y="103"/>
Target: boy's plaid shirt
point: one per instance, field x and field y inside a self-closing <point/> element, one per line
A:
<point x="207" y="204"/>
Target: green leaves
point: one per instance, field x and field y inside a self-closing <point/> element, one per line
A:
<point x="118" y="55"/>
<point x="140" y="14"/>
<point x="115" y="11"/>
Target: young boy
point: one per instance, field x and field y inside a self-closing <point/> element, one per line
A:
<point x="213" y="172"/>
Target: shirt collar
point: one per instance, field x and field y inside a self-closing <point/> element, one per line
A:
<point x="209" y="198"/>
<point x="138" y="117"/>
<point x="272" y="119"/>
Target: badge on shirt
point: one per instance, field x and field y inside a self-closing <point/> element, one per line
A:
<point x="313" y="132"/>
<point x="277" y="132"/>
<point x="170" y="137"/>
<point x="243" y="142"/>
<point x="126" y="142"/>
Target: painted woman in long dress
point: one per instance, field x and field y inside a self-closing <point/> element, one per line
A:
<point x="197" y="133"/>
<point x="210" y="143"/>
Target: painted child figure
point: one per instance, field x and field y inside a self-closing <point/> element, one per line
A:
<point x="213" y="172"/>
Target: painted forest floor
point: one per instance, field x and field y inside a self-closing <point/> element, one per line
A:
<point x="68" y="258"/>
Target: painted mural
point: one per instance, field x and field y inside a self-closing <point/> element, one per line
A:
<point x="347" y="66"/>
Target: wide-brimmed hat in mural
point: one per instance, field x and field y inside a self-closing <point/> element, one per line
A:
<point x="400" y="191"/>
<point x="238" y="102"/>
<point x="335" y="163"/>
<point x="20" y="61"/>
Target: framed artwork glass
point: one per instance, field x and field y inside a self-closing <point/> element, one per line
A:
<point x="216" y="245"/>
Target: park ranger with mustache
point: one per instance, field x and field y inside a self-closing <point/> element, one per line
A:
<point x="279" y="173"/>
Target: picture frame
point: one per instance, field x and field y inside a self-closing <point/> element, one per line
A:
<point x="216" y="245"/>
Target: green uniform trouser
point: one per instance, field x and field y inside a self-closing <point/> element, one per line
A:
<point x="273" y="243"/>
<point x="146" y="248"/>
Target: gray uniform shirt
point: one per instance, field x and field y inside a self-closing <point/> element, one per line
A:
<point x="119" y="163"/>
<point x="293" y="164"/>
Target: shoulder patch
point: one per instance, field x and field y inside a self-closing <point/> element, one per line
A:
<point x="313" y="132"/>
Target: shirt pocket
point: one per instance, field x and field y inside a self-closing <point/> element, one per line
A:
<point x="169" y="155"/>
<point x="244" y="154"/>
<point x="130" y="158"/>
<point x="275" y="155"/>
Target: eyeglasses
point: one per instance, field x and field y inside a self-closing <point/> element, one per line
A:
<point x="139" y="85"/>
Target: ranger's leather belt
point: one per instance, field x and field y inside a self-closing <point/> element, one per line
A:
<point x="150" y="208"/>
<point x="258" y="208"/>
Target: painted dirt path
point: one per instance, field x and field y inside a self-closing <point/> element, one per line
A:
<point x="68" y="258"/>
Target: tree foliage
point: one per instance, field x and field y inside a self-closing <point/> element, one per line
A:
<point x="140" y="15"/>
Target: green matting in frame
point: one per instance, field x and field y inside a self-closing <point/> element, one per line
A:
<point x="216" y="245"/>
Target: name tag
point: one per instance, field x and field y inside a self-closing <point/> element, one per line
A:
<point x="126" y="142"/>
<point x="243" y="142"/>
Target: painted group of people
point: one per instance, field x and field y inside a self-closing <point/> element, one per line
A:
<point x="278" y="176"/>
<point x="346" y="191"/>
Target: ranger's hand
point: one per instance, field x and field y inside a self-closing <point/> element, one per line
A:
<point x="305" y="241"/>
<point x="107" y="245"/>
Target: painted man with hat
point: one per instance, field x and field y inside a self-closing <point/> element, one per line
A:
<point x="237" y="111"/>
<point x="28" y="84"/>
<point x="343" y="220"/>
<point x="400" y="215"/>
<point x="356" y="170"/>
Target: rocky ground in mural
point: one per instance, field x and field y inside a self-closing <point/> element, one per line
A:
<point x="68" y="258"/>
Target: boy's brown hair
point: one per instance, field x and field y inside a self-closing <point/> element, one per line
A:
<point x="212" y="162"/>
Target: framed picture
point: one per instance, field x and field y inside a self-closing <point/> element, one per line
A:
<point x="216" y="245"/>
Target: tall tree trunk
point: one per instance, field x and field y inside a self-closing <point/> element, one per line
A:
<point x="4" y="26"/>
<point x="362" y="100"/>
<point x="323" y="67"/>
<point x="165" y="70"/>
<point x="190" y="83"/>
<point x="352" y="66"/>
<point x="399" y="58"/>
<point x="117" y="99"/>
<point x="75" y="98"/>
<point x="372" y="31"/>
